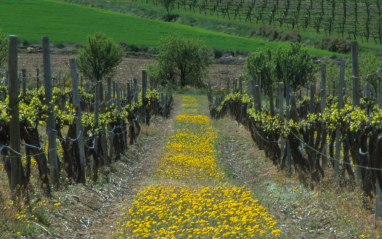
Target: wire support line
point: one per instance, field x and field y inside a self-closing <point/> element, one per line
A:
<point x="333" y="159"/>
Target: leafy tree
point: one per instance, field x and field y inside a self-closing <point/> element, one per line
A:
<point x="294" y="65"/>
<point x="183" y="61"/>
<point x="99" y="56"/>
<point x="260" y="61"/>
<point x="168" y="5"/>
<point x="3" y="48"/>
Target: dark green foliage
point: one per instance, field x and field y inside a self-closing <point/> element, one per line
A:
<point x="182" y="61"/>
<point x="168" y="5"/>
<point x="335" y="45"/>
<point x="274" y="34"/>
<point x="292" y="65"/>
<point x="98" y="57"/>
<point x="261" y="61"/>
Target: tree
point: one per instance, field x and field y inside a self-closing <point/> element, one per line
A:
<point x="99" y="56"/>
<point x="3" y="48"/>
<point x="183" y="61"/>
<point x="294" y="66"/>
<point x="260" y="61"/>
<point x="168" y="5"/>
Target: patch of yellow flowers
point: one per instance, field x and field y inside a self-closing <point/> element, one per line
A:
<point x="164" y="211"/>
<point x="186" y="211"/>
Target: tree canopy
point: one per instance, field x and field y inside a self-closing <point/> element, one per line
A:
<point x="98" y="57"/>
<point x="291" y="65"/>
<point x="182" y="61"/>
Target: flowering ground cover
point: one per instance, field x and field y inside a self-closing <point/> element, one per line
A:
<point x="191" y="198"/>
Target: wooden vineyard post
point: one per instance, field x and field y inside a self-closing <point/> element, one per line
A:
<point x="289" y="163"/>
<point x="110" y="135"/>
<point x="128" y="95"/>
<point x="241" y="85"/>
<point x="341" y="87"/>
<point x="14" y="124"/>
<point x="24" y="77"/>
<point x="355" y="74"/>
<point x="234" y="86"/>
<point x="51" y="124"/>
<point x="258" y="98"/>
<point x="118" y="92"/>
<point x="108" y="90"/>
<point x="81" y="177"/>
<point x="271" y="104"/>
<point x="356" y="96"/>
<point x="144" y="89"/>
<point x="113" y="89"/>
<point x="136" y="91"/>
<point x="281" y="115"/>
<point x="227" y="90"/>
<point x="94" y="165"/>
<point x="281" y="104"/>
<point x="38" y="78"/>
<point x="323" y="106"/>
<point x="102" y="134"/>
<point x="378" y="194"/>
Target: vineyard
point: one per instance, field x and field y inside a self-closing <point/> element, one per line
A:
<point x="69" y="133"/>
<point x="320" y="136"/>
<point x="353" y="20"/>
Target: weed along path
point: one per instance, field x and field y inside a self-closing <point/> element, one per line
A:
<point x="190" y="195"/>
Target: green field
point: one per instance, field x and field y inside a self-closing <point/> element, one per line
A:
<point x="65" y="23"/>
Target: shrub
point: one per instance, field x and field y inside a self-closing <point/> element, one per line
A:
<point x="98" y="57"/>
<point x="293" y="36"/>
<point x="335" y="45"/>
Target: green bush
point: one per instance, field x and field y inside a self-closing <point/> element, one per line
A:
<point x="98" y="57"/>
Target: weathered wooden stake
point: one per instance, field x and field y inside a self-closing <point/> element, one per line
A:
<point x="14" y="124"/>
<point x="258" y="98"/>
<point x="355" y="74"/>
<point x="38" y="78"/>
<point x="128" y="95"/>
<point x="289" y="163"/>
<point x="323" y="106"/>
<point x="24" y="76"/>
<point x="271" y="104"/>
<point x="113" y="89"/>
<point x="102" y="134"/>
<point x="337" y="154"/>
<point x="281" y="101"/>
<point x="241" y="85"/>
<point x="136" y="90"/>
<point x="81" y="178"/>
<point x="51" y="124"/>
<point x="109" y="90"/>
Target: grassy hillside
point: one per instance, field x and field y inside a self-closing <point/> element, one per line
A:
<point x="64" y="22"/>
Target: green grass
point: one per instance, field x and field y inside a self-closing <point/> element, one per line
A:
<point x="65" y="23"/>
<point x="236" y="27"/>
